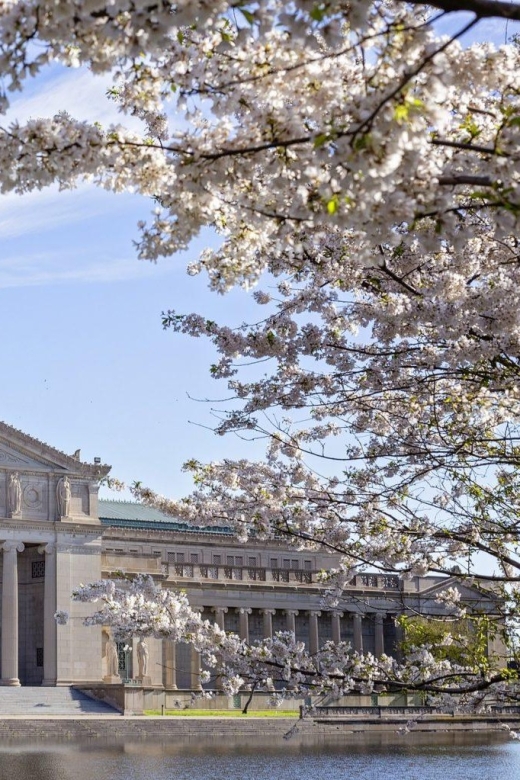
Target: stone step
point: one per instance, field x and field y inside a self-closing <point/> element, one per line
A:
<point x="38" y="701"/>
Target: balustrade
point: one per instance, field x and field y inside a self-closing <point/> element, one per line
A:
<point x="208" y="572"/>
<point x="380" y="581"/>
<point x="279" y="574"/>
<point x="184" y="569"/>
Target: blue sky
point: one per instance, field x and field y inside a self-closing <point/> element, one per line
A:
<point x="86" y="363"/>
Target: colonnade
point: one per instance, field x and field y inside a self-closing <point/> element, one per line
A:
<point x="9" y="673"/>
<point x="313" y="639"/>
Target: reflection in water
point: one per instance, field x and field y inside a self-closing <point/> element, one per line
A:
<point x="351" y="757"/>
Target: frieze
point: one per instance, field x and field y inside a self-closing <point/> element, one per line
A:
<point x="78" y="549"/>
<point x="21" y="525"/>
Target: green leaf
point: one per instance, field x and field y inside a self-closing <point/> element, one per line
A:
<point x="250" y="17"/>
<point x="332" y="205"/>
<point x="318" y="13"/>
<point x="401" y="112"/>
<point x="321" y="140"/>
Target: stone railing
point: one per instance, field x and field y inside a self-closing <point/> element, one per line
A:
<point x="260" y="574"/>
<point x="325" y="713"/>
<point x="151" y="563"/>
<point x="379" y="581"/>
<point x="320" y="713"/>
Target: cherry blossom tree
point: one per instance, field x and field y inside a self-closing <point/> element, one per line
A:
<point x="282" y="665"/>
<point x="363" y="168"/>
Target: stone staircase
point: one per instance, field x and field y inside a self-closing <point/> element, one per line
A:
<point x="31" y="702"/>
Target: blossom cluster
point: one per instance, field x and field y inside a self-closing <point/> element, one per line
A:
<point x="141" y="607"/>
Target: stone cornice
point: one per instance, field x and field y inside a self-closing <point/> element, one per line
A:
<point x="208" y="539"/>
<point x="45" y="526"/>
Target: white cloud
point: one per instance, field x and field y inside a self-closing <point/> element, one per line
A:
<point x="42" y="211"/>
<point x="44" y="268"/>
<point x="78" y="92"/>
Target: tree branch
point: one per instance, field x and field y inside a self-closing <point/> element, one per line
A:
<point x="481" y="8"/>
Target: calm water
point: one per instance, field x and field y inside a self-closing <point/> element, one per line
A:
<point x="413" y="757"/>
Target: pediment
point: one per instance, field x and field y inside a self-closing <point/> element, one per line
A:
<point x="21" y="452"/>
<point x="467" y="592"/>
<point x="14" y="459"/>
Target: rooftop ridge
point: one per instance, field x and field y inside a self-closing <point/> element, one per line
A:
<point x="122" y="501"/>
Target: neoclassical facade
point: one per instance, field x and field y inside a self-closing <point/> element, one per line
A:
<point x="56" y="534"/>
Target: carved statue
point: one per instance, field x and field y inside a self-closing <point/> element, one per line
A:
<point x="142" y="658"/>
<point x="14" y="494"/>
<point x="63" y="496"/>
<point x="112" y="658"/>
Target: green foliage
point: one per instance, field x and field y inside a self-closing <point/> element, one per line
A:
<point x="462" y="642"/>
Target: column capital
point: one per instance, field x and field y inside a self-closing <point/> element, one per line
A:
<point x="219" y="610"/>
<point x="314" y="613"/>
<point x="379" y="616"/>
<point x="244" y="610"/>
<point x="337" y="613"/>
<point x="47" y="547"/>
<point x="292" y="612"/>
<point x="9" y="546"/>
<point x="268" y="611"/>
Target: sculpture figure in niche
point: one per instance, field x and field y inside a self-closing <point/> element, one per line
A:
<point x="112" y="658"/>
<point x="63" y="496"/>
<point x="142" y="658"/>
<point x="14" y="494"/>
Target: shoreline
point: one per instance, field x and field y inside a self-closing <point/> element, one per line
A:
<point x="175" y="730"/>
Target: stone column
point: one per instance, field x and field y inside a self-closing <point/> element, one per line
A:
<point x="358" y="632"/>
<point x="379" y="636"/>
<point x="219" y="616"/>
<point x="313" y="632"/>
<point x="243" y="617"/>
<point x="219" y="620"/>
<point x="290" y="614"/>
<point x="195" y="668"/>
<point x="49" y="609"/>
<point x="336" y="626"/>
<point x="268" y="622"/>
<point x="170" y="664"/>
<point x="10" y="613"/>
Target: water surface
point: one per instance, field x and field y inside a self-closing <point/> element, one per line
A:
<point x="351" y="757"/>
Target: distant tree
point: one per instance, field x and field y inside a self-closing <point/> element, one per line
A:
<point x="462" y="642"/>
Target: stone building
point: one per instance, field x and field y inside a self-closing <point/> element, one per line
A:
<point x="56" y="534"/>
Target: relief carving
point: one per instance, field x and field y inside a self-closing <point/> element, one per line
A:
<point x="32" y="497"/>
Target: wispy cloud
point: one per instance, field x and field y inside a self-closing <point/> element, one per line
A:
<point x="79" y="92"/>
<point x="82" y="235"/>
<point x="45" y="268"/>
<point x="43" y="211"/>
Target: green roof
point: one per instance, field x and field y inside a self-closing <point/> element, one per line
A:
<point x="129" y="514"/>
